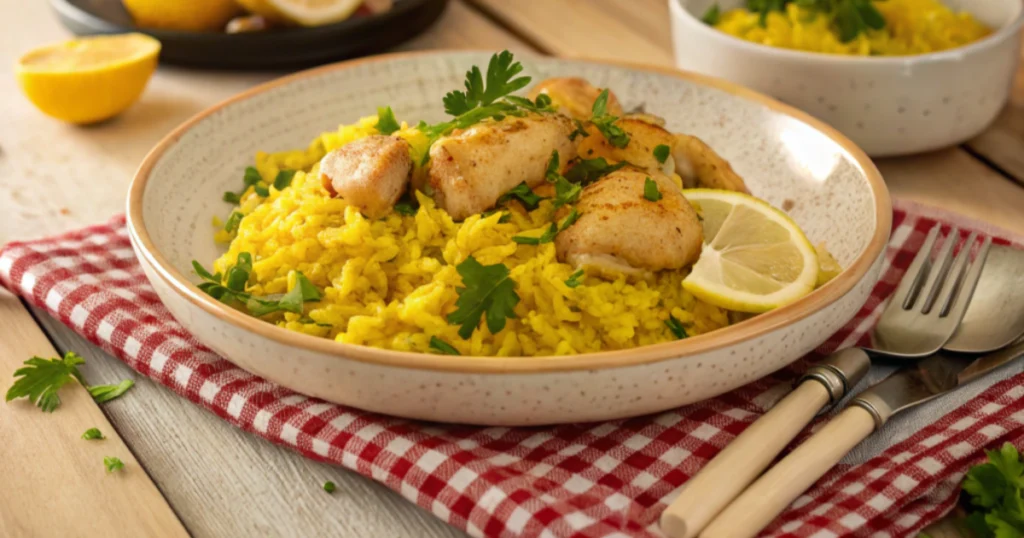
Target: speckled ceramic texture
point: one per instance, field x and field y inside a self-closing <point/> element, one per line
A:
<point x="832" y="191"/>
<point x="888" y="106"/>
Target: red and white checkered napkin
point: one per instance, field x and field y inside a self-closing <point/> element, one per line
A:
<point x="608" y="479"/>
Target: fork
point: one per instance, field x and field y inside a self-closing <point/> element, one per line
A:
<point x="908" y="328"/>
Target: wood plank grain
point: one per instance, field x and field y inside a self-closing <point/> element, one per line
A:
<point x="223" y="481"/>
<point x="1002" y="144"/>
<point x="55" y="482"/>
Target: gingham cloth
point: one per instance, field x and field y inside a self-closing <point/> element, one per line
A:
<point x="606" y="479"/>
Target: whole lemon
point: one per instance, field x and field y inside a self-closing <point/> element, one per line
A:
<point x="195" y="15"/>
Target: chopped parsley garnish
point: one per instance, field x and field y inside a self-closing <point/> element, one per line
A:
<point x="651" y="191"/>
<point x="661" y="152"/>
<point x="329" y="487"/>
<point x="849" y="17"/>
<point x="442" y="347"/>
<point x="995" y="490"/>
<point x="524" y="194"/>
<point x="676" y="327"/>
<point x="549" y="234"/>
<point x="251" y="178"/>
<point x="407" y="205"/>
<point x="574" y="279"/>
<point x="566" y="192"/>
<point x="386" y="122"/>
<point x="505" y="216"/>
<point x="581" y="130"/>
<point x="231" y="226"/>
<point x="113" y="463"/>
<point x="93" y="434"/>
<point x="606" y="122"/>
<point x="283" y="179"/>
<point x="231" y="288"/>
<point x="712" y="15"/>
<point x="587" y="171"/>
<point x="105" y="393"/>
<point x="487" y="292"/>
<point x="40" y="379"/>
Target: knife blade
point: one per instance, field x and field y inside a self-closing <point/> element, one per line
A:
<point x="928" y="378"/>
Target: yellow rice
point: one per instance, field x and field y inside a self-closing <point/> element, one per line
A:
<point x="390" y="283"/>
<point x="912" y="27"/>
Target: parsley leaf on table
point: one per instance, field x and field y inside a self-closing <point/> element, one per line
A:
<point x="651" y="192"/>
<point x="442" y="347"/>
<point x="329" y="487"/>
<point x="40" y="380"/>
<point x="489" y="292"/>
<point x="995" y="489"/>
<point x="93" y="434"/>
<point x="105" y="393"/>
<point x="386" y="121"/>
<point x="606" y="122"/>
<point x="113" y="463"/>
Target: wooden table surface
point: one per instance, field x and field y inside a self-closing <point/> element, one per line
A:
<point x="189" y="472"/>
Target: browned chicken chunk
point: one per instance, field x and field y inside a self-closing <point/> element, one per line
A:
<point x="574" y="96"/>
<point x="370" y="173"/>
<point x="644" y="136"/>
<point x="619" y="230"/>
<point x="701" y="166"/>
<point x="471" y="169"/>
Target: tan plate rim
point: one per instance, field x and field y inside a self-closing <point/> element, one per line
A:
<point x="715" y="340"/>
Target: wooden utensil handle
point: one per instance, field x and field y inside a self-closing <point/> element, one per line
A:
<point x="741" y="461"/>
<point x="783" y="483"/>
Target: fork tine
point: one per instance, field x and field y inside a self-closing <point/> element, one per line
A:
<point x="938" y="277"/>
<point x="955" y="277"/>
<point x="910" y="283"/>
<point x="957" y="301"/>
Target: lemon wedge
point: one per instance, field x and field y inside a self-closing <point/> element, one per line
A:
<point x="189" y="15"/>
<point x="303" y="12"/>
<point x="754" y="259"/>
<point x="89" y="79"/>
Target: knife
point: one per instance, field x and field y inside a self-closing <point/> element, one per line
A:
<point x="925" y="380"/>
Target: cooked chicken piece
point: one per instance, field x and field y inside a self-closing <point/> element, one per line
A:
<point x="700" y="166"/>
<point x="574" y="97"/>
<point x="644" y="136"/>
<point x="471" y="169"/>
<point x="643" y="116"/>
<point x="619" y="230"/>
<point x="370" y="173"/>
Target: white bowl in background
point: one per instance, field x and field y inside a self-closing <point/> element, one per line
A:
<point x="887" y="105"/>
<point x="826" y="184"/>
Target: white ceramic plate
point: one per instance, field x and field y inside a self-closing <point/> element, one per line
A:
<point x="828" y="185"/>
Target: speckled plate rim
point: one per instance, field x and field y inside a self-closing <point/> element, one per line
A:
<point x="1008" y="29"/>
<point x="721" y="338"/>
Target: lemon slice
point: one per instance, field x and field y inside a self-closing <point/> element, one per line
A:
<point x="755" y="258"/>
<point x="89" y="79"/>
<point x="303" y="12"/>
<point x="189" y="15"/>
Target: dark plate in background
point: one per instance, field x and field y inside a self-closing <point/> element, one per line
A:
<point x="270" y="49"/>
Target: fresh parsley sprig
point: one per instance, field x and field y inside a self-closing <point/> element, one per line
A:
<point x="230" y="289"/>
<point x="849" y="17"/>
<point x="487" y="291"/>
<point x="524" y="194"/>
<point x="566" y="192"/>
<point x="994" y="489"/>
<point x="105" y="393"/>
<point x="386" y="121"/>
<point x="605" y="122"/>
<point x="587" y="171"/>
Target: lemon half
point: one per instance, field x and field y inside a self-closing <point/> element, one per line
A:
<point x="303" y="12"/>
<point x="755" y="258"/>
<point x="89" y="79"/>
